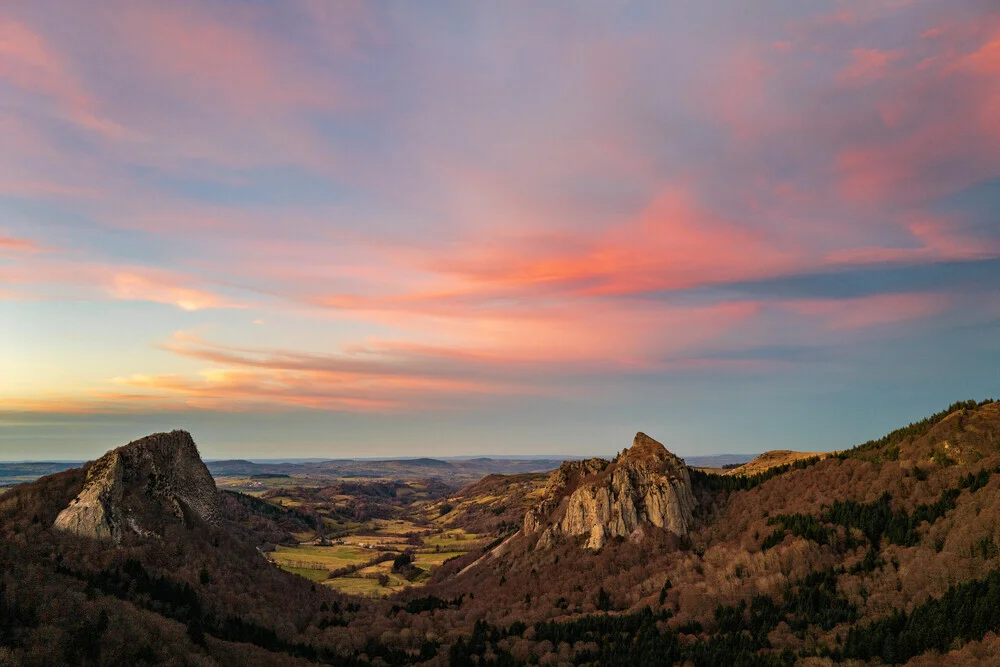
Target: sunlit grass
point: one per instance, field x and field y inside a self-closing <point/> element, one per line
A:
<point x="432" y="559"/>
<point x="363" y="586"/>
<point x="451" y="540"/>
<point x="308" y="573"/>
<point x="314" y="557"/>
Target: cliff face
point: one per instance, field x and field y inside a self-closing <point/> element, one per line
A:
<point x="646" y="485"/>
<point x="139" y="486"/>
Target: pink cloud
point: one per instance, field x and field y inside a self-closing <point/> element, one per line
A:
<point x="221" y="58"/>
<point x="498" y="233"/>
<point x="9" y="244"/>
<point x="985" y="60"/>
<point x="671" y="244"/>
<point x="162" y="288"/>
<point x="27" y="61"/>
<point x="933" y="241"/>
<point x="924" y="130"/>
<point x="867" y="65"/>
<point x="384" y="377"/>
<point x="53" y="276"/>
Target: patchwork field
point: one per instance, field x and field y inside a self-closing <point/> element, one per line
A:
<point x="373" y="536"/>
<point x="350" y="564"/>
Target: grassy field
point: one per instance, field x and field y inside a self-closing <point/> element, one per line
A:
<point x="285" y="501"/>
<point x="431" y="559"/>
<point x="257" y="486"/>
<point x="363" y="587"/>
<point x="455" y="539"/>
<point x="316" y="562"/>
<point x="312" y="557"/>
<point x="396" y="527"/>
<point x="356" y="544"/>
<point x="308" y="573"/>
<point x="365" y="582"/>
<point x="386" y="540"/>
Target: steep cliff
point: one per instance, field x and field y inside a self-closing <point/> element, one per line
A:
<point x="138" y="487"/>
<point x="645" y="485"/>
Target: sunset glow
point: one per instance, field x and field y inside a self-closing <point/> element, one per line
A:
<point x="326" y="229"/>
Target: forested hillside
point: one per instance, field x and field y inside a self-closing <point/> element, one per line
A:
<point x="888" y="551"/>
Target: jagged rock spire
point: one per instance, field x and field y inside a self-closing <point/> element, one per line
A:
<point x="144" y="482"/>
<point x="646" y="485"/>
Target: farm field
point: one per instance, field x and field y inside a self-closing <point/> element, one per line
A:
<point x="368" y="537"/>
<point x="428" y="548"/>
<point x="317" y="557"/>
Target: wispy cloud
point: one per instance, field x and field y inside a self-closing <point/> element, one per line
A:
<point x="375" y="209"/>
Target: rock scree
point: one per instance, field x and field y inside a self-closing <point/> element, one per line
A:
<point x="141" y="486"/>
<point x="645" y="486"/>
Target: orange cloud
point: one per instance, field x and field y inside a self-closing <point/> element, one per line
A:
<point x="55" y="274"/>
<point x="244" y="390"/>
<point x="985" y="60"/>
<point x="243" y="379"/>
<point x="10" y="244"/>
<point x="672" y="244"/>
<point x="557" y="246"/>
<point x="97" y="402"/>
<point x="162" y="288"/>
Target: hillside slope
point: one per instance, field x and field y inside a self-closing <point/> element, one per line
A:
<point x="195" y="592"/>
<point x="886" y="552"/>
<point x="773" y="459"/>
<point x="810" y="556"/>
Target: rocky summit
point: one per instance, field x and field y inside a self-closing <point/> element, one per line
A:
<point x="139" y="486"/>
<point x="645" y="485"/>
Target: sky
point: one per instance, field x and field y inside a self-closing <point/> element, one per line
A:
<point x="339" y="229"/>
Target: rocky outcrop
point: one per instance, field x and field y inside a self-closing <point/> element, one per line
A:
<point x="645" y="486"/>
<point x="140" y="486"/>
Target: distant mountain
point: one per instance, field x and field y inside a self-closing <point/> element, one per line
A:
<point x="466" y="468"/>
<point x="455" y="471"/>
<point x="13" y="473"/>
<point x="718" y="460"/>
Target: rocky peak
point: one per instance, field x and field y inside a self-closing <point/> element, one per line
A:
<point x="644" y="448"/>
<point x="142" y="485"/>
<point x="645" y="486"/>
